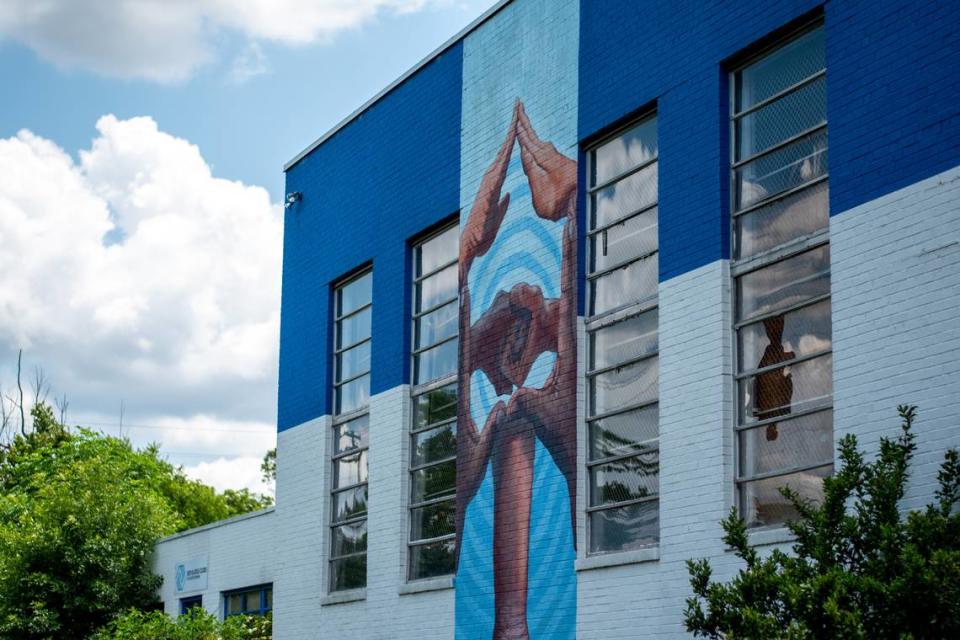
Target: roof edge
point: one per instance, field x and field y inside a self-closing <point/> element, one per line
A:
<point x="217" y="524"/>
<point x="463" y="33"/>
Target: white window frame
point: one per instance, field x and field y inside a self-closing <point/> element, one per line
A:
<point x="766" y="258"/>
<point x="610" y="317"/>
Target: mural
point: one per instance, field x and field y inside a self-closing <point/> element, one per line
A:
<point x="517" y="416"/>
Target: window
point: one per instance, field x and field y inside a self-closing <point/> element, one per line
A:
<point x="351" y="428"/>
<point x="249" y="601"/>
<point x="622" y="369"/>
<point x="781" y="268"/>
<point x="433" y="440"/>
<point x="190" y="603"/>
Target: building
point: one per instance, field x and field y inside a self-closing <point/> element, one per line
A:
<point x="576" y="285"/>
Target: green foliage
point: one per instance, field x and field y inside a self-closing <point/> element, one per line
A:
<point x="195" y="625"/>
<point x="79" y="516"/>
<point x="269" y="465"/>
<point x="859" y="568"/>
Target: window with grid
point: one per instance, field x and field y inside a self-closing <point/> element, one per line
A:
<point x="351" y="426"/>
<point x="249" y="601"/>
<point x="622" y="369"/>
<point x="781" y="268"/>
<point x="433" y="443"/>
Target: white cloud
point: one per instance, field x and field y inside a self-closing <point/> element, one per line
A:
<point x="249" y="64"/>
<point x="134" y="274"/>
<point x="167" y="40"/>
<point x="231" y="473"/>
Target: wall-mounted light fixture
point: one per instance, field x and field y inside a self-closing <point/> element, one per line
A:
<point x="292" y="198"/>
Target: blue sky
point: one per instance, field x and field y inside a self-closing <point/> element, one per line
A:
<point x="246" y="130"/>
<point x="141" y="153"/>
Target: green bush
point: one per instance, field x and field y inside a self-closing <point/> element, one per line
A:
<point x="195" y="625"/>
<point x="859" y="568"/>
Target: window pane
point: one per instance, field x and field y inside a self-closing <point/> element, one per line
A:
<point x="630" y="385"/>
<point x="624" y="528"/>
<point x="439" y="404"/>
<point x="432" y="521"/>
<point x="803" y="109"/>
<point x="437" y="325"/>
<point x="351" y="435"/>
<point x="784" y="67"/>
<point x="353" y="361"/>
<point x="777" y="446"/>
<point x="348" y="539"/>
<point x="353" y="395"/>
<point x="235" y="603"/>
<point x="781" y="338"/>
<point x="436" y="363"/>
<point x="437" y="288"/>
<point x="795" y="216"/>
<point x="349" y="504"/>
<point x="355" y="294"/>
<point x="268" y="598"/>
<point x="437" y="444"/>
<point x="784" y="283"/>
<point x="434" y="482"/>
<point x="617" y="434"/>
<point x="762" y="505"/>
<point x="627" y="196"/>
<point x="791" y="166"/>
<point x="783" y="391"/>
<point x="354" y="329"/>
<point x="439" y="250"/>
<point x="350" y="469"/>
<point x="631" y="238"/>
<point x="627" y="479"/>
<point x="431" y="560"/>
<point x="348" y="573"/>
<point x="631" y="283"/>
<point x="630" y="149"/>
<point x="625" y="340"/>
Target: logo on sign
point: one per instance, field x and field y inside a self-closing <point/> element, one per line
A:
<point x="181" y="576"/>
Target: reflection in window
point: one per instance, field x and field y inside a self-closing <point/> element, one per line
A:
<point x="351" y="428"/>
<point x="256" y="601"/>
<point x="782" y="270"/>
<point x="623" y="377"/>
<point x="433" y="439"/>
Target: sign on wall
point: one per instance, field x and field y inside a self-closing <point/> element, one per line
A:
<point x="191" y="575"/>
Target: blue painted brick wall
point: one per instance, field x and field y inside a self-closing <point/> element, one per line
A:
<point x="893" y="98"/>
<point x="893" y="95"/>
<point x="634" y="53"/>
<point x="382" y="179"/>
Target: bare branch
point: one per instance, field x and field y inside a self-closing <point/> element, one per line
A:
<point x="40" y="385"/>
<point x="23" y="415"/>
<point x="62" y="404"/>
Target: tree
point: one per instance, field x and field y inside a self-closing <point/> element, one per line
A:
<point x="860" y="568"/>
<point x="79" y="515"/>
<point x="269" y="466"/>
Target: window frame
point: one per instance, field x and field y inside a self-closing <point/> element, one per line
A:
<point x="424" y="388"/>
<point x="595" y="322"/>
<point x="189" y="602"/>
<point x="262" y="608"/>
<point x="792" y="248"/>
<point x="339" y="419"/>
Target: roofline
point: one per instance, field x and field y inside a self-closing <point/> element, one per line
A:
<point x="217" y="524"/>
<point x="486" y="15"/>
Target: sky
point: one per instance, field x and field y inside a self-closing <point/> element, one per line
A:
<point x="141" y="153"/>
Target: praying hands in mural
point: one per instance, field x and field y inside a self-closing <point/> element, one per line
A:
<point x="504" y="343"/>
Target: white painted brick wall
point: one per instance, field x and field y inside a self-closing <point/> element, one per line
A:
<point x="235" y="558"/>
<point x="896" y="320"/>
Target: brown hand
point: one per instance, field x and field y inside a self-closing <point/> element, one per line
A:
<point x="552" y="175"/>
<point x="488" y="208"/>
